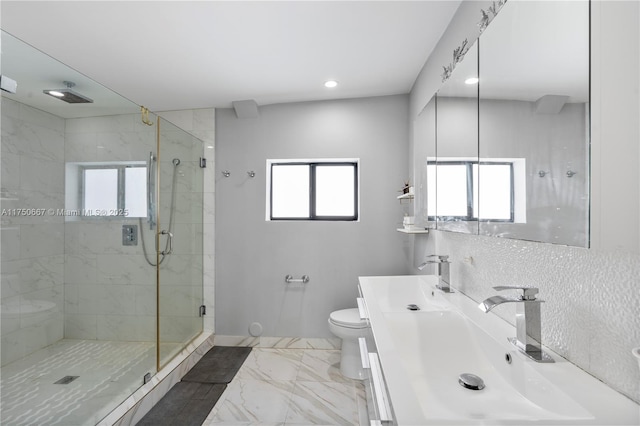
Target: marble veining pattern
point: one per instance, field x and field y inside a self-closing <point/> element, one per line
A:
<point x="290" y="387"/>
<point x="279" y="342"/>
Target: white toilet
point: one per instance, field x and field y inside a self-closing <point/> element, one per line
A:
<point x="347" y="325"/>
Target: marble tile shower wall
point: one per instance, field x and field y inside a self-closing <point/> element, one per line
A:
<point x="75" y="279"/>
<point x="110" y="288"/>
<point x="32" y="270"/>
<point x="591" y="314"/>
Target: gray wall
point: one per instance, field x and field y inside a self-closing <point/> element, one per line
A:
<point x="253" y="255"/>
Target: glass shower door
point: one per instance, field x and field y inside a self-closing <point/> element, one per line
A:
<point x="179" y="233"/>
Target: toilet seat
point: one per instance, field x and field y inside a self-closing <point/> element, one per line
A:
<point x="349" y="318"/>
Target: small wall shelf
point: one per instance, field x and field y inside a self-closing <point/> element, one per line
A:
<point x="405" y="197"/>
<point x="413" y="230"/>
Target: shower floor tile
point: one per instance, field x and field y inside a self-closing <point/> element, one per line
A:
<point x="108" y="372"/>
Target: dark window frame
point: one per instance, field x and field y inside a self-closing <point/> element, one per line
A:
<point x="313" y="165"/>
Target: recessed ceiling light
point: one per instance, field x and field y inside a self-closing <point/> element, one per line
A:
<point x="330" y="84"/>
<point x="472" y="80"/>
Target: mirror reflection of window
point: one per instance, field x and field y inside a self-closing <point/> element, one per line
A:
<point x="496" y="187"/>
<point x="452" y="189"/>
<point x="458" y="182"/>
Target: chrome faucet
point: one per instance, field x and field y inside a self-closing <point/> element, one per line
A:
<point x="527" y="320"/>
<point x="443" y="271"/>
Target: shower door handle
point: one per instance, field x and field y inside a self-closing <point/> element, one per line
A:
<point x="169" y="246"/>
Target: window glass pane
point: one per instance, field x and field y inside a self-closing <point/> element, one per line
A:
<point x="452" y="190"/>
<point x="100" y="191"/>
<point x="495" y="187"/>
<point x="335" y="190"/>
<point x="135" y="191"/>
<point x="290" y="191"/>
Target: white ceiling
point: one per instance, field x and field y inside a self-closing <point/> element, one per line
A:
<point x="170" y="55"/>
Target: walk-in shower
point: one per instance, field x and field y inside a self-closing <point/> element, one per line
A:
<point x="88" y="315"/>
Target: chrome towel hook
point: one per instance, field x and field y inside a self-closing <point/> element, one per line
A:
<point x="251" y="174"/>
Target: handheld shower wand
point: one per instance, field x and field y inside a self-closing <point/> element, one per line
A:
<point x="151" y="207"/>
<point x="150" y="191"/>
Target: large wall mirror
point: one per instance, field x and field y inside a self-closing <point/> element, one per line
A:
<point x="424" y="165"/>
<point x="514" y="148"/>
<point x="534" y="123"/>
<point x="457" y="148"/>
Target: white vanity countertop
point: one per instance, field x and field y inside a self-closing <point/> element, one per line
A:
<point x="414" y="362"/>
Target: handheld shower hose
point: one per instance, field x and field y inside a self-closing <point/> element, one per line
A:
<point x="151" y="210"/>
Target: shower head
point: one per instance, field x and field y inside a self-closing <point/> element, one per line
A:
<point x="68" y="95"/>
<point x="176" y="161"/>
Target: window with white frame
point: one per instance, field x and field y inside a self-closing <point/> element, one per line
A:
<point x="312" y="190"/>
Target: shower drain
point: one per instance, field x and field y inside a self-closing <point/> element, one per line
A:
<point x="66" y="380"/>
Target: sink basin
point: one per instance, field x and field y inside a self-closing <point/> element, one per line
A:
<point x="395" y="293"/>
<point x="423" y="353"/>
<point x="436" y="347"/>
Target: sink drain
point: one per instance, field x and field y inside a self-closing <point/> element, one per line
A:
<point x="471" y="381"/>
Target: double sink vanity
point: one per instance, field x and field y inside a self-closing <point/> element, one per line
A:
<point x="437" y="359"/>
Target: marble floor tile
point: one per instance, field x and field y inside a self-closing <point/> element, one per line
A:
<point x="361" y="402"/>
<point x="309" y="390"/>
<point x="272" y="364"/>
<point x="321" y="366"/>
<point x="253" y="402"/>
<point x="323" y="403"/>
